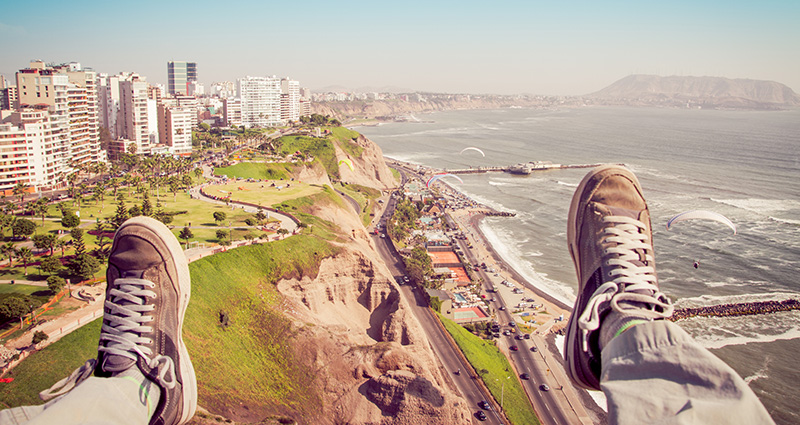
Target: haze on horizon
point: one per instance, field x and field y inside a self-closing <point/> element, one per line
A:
<point x="445" y="46"/>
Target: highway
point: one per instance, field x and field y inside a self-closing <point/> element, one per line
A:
<point x="448" y="355"/>
<point x="553" y="406"/>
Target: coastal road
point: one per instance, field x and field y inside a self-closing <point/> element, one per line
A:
<point x="448" y="355"/>
<point x="552" y="406"/>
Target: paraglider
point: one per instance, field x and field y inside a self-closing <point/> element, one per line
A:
<point x="438" y="176"/>
<point x="701" y="215"/>
<point x="474" y="149"/>
<point x="348" y="162"/>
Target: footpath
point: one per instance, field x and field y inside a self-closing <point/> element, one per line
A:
<point x="94" y="296"/>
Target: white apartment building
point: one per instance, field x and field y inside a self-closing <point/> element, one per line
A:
<point x="232" y="112"/>
<point x="132" y="122"/>
<point x="290" y="100"/>
<point x="261" y="101"/>
<point x="177" y="129"/>
<point x="69" y="93"/>
<point x="34" y="149"/>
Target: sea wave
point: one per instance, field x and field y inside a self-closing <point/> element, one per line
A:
<point x="762" y="206"/>
<point x="709" y="300"/>
<point x="718" y="332"/>
<point x="567" y="184"/>
<point x="514" y="259"/>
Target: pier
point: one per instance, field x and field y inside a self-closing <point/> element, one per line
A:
<point x="523" y="168"/>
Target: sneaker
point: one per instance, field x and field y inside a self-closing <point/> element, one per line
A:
<point x="610" y="240"/>
<point x="147" y="295"/>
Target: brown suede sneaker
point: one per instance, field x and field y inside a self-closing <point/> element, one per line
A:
<point x="610" y="240"/>
<point x="148" y="292"/>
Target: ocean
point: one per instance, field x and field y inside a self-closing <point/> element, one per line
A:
<point x="742" y="164"/>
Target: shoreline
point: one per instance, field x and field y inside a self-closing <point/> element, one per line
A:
<point x="474" y="223"/>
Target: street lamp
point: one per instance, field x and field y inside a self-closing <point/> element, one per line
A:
<point x="503" y="392"/>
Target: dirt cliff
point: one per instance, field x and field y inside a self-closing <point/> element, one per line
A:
<point x="376" y="364"/>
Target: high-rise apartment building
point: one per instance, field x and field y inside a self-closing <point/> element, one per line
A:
<point x="290" y="100"/>
<point x="176" y="128"/>
<point x="132" y="123"/>
<point x="261" y="101"/>
<point x="70" y="95"/>
<point x="179" y="75"/>
<point x="34" y="149"/>
<point x="232" y="112"/>
<point x="8" y="98"/>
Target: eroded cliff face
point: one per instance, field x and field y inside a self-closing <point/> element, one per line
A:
<point x="369" y="169"/>
<point x="376" y="365"/>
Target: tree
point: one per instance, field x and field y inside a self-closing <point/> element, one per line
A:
<point x="70" y="221"/>
<point x="222" y="234"/>
<point x="198" y="172"/>
<point x="38" y="337"/>
<point x="77" y="241"/>
<point x="55" y="284"/>
<point x="282" y="232"/>
<point x="61" y="244"/>
<point x="220" y="216"/>
<point x="41" y="207"/>
<point x="16" y="306"/>
<point x="50" y="265"/>
<point x="25" y="254"/>
<point x="186" y="180"/>
<point x="19" y="190"/>
<point x="44" y="241"/>
<point x="23" y="227"/>
<point x="100" y="194"/>
<point x="147" y="207"/>
<point x="121" y="215"/>
<point x="6" y="221"/>
<point x="186" y="234"/>
<point x="250" y="221"/>
<point x="174" y="187"/>
<point x="135" y="211"/>
<point x="10" y="250"/>
<point x="260" y="216"/>
<point x="84" y="266"/>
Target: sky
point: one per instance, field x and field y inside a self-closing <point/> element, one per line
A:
<point x="501" y="47"/>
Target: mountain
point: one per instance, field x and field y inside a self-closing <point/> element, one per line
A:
<point x="706" y="92"/>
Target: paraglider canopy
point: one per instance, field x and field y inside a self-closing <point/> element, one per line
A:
<point x="473" y="149"/>
<point x="438" y="176"/>
<point x="347" y="162"/>
<point x="701" y="215"/>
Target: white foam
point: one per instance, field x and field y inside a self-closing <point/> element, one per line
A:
<point x="708" y="300"/>
<point x="568" y="184"/>
<point x="718" y="332"/>
<point x="761" y="373"/>
<point x="513" y="258"/>
<point x="761" y="206"/>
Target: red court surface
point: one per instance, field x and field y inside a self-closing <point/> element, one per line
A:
<point x="445" y="257"/>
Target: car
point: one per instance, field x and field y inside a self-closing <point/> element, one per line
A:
<point x="405" y="278"/>
<point x="383" y="235"/>
<point x="483" y="404"/>
<point x="519" y="337"/>
<point x="525" y="376"/>
<point x="534" y="349"/>
<point x="513" y="348"/>
<point x="480" y="415"/>
<point x="511" y="324"/>
<point x="545" y="387"/>
<point x="502" y="308"/>
<point x="506" y="333"/>
<point x="527" y="336"/>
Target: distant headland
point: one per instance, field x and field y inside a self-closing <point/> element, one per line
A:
<point x="634" y="90"/>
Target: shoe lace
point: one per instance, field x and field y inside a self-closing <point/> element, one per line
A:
<point x="633" y="286"/>
<point x="123" y="326"/>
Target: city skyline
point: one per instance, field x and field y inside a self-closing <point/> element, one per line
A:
<point x="472" y="47"/>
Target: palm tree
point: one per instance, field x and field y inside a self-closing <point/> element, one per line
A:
<point x="40" y="207"/>
<point x="61" y="244"/>
<point x="25" y="254"/>
<point x="20" y="189"/>
<point x="9" y="249"/>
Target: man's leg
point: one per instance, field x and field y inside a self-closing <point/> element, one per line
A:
<point x="100" y="401"/>
<point x="617" y="340"/>
<point x="142" y="373"/>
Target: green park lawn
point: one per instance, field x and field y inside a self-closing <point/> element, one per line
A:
<point x="261" y="193"/>
<point x="493" y="367"/>
<point x="257" y="170"/>
<point x="242" y="346"/>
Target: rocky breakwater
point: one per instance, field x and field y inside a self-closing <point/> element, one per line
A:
<point x="737" y="309"/>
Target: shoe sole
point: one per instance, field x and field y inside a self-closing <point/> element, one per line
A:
<point x="184" y="290"/>
<point x="579" y="371"/>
